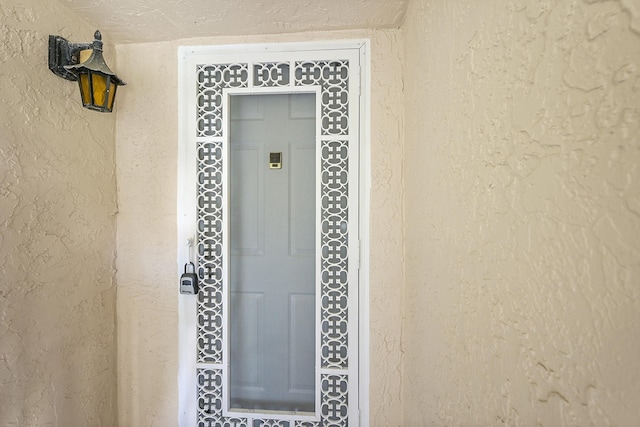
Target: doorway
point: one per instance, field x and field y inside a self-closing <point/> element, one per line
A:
<point x="269" y="203"/>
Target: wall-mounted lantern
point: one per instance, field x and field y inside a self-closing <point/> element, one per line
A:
<point x="83" y="62"/>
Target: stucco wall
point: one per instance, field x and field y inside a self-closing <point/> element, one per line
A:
<point x="57" y="232"/>
<point x="522" y="213"/>
<point x="147" y="247"/>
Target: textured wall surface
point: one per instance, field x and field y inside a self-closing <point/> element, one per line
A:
<point x="147" y="306"/>
<point x="386" y="233"/>
<point x="522" y="213"/>
<point x="147" y="247"/>
<point x="57" y="232"/>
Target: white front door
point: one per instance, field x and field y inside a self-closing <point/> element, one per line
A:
<point x="269" y="203"/>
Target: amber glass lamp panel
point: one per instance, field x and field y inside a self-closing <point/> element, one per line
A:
<point x="97" y="91"/>
<point x="99" y="88"/>
<point x="85" y="90"/>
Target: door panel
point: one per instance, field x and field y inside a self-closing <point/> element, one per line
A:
<point x="279" y="206"/>
<point x="303" y="221"/>
<point x="248" y="231"/>
<point x="250" y="349"/>
<point x="302" y="369"/>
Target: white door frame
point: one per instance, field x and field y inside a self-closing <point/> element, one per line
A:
<point x="187" y="171"/>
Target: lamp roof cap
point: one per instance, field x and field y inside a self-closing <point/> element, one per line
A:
<point x="96" y="62"/>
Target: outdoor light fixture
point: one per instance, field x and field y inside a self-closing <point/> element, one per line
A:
<point x="84" y="62"/>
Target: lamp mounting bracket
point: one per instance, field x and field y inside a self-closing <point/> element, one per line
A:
<point x="62" y="53"/>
